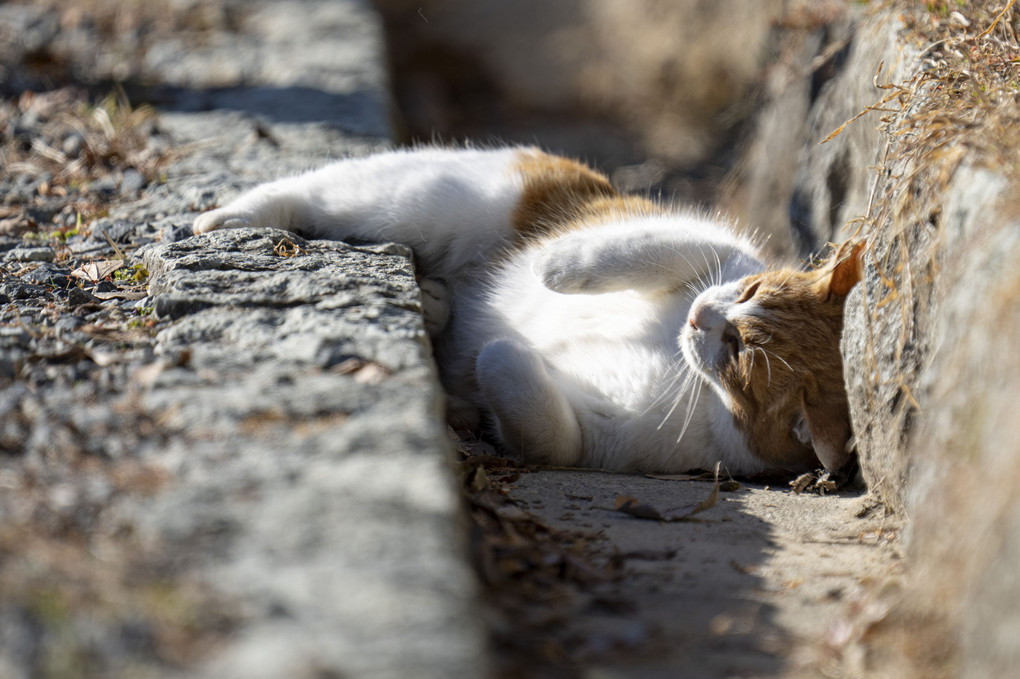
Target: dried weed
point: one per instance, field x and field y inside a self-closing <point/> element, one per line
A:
<point x="61" y="133"/>
<point x="963" y="103"/>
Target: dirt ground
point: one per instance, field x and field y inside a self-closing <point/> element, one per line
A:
<point x="764" y="583"/>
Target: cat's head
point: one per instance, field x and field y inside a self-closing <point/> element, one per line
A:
<point x="770" y="343"/>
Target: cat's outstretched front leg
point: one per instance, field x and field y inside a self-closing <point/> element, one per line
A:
<point x="534" y="417"/>
<point x="283" y="204"/>
<point x="452" y="207"/>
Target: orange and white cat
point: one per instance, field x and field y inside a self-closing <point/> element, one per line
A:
<point x="589" y="328"/>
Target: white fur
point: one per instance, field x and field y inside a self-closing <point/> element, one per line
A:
<point x="573" y="345"/>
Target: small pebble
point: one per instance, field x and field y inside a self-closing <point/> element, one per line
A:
<point x="76" y="297"/>
<point x="132" y="182"/>
<point x="73" y="144"/>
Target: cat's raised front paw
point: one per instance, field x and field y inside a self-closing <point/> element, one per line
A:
<point x="219" y="219"/>
<point x="562" y="272"/>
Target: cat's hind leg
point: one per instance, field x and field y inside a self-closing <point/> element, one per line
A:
<point x="533" y="416"/>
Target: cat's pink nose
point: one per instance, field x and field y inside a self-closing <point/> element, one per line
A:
<point x="704" y="317"/>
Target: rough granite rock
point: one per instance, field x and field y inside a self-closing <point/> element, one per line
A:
<point x="965" y="457"/>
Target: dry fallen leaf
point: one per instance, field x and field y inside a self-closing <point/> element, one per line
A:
<point x="801" y="483"/>
<point x="287" y="248"/>
<point x="631" y="505"/>
<point x="477" y="481"/>
<point x="97" y="271"/>
<point x="820" y="482"/>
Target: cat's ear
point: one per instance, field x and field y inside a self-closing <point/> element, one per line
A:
<point x="825" y="427"/>
<point x="846" y="271"/>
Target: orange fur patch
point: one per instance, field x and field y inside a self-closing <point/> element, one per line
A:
<point x="561" y="194"/>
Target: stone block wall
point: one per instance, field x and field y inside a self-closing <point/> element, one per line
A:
<point x="928" y="335"/>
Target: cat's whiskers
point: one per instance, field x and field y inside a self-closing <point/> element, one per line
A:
<point x="687" y="259"/>
<point x="699" y="285"/>
<point x="689" y="382"/>
<point x="678" y="384"/>
<point x="750" y="369"/>
<point x="708" y="270"/>
<point x="718" y="267"/>
<point x="691" y="403"/>
<point x="678" y="372"/>
<point x="689" y="390"/>
<point x="778" y="358"/>
<point x="689" y="378"/>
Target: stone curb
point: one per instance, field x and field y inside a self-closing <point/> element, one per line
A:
<point x="310" y="444"/>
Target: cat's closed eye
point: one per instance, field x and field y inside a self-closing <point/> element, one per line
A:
<point x="731" y="339"/>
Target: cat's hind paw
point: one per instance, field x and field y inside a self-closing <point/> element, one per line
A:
<point x="219" y="219"/>
<point x="435" y="303"/>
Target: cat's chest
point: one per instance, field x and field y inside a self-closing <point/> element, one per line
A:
<point x="619" y="346"/>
